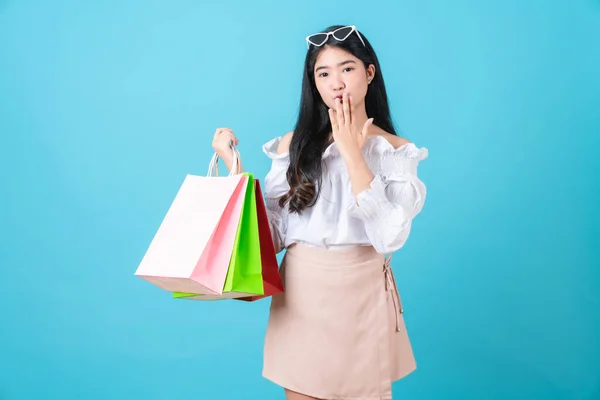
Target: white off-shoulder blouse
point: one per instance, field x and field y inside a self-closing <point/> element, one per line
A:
<point x="380" y="216"/>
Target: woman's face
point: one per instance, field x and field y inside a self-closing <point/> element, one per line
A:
<point x="338" y="72"/>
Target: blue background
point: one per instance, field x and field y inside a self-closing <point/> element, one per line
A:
<point x="105" y="106"/>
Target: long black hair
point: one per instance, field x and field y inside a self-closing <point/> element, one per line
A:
<point x="311" y="133"/>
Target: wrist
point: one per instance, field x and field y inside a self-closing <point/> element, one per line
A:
<point x="224" y="152"/>
<point x="353" y="157"/>
<point x="359" y="172"/>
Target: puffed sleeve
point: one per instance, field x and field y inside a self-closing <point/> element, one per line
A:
<point x="275" y="186"/>
<point x="395" y="198"/>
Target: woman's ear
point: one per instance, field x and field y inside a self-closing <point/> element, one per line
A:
<point x="370" y="73"/>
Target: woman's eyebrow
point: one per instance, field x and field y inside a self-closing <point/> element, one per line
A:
<point x="339" y="65"/>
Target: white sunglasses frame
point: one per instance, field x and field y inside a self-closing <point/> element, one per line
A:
<point x="308" y="42"/>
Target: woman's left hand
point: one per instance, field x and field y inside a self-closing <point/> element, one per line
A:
<point x="349" y="137"/>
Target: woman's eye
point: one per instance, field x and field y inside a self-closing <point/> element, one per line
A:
<point x="349" y="69"/>
<point x="322" y="74"/>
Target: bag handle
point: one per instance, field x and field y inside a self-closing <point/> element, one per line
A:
<point x="235" y="168"/>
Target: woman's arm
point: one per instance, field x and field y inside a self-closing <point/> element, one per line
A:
<point x="359" y="172"/>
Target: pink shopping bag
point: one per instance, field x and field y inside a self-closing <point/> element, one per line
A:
<point x="192" y="248"/>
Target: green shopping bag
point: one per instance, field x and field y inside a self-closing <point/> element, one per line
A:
<point x="245" y="268"/>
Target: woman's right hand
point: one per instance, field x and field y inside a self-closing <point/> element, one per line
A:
<point x="223" y="140"/>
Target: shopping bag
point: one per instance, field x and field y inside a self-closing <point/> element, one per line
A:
<point x="271" y="278"/>
<point x="191" y="251"/>
<point x="270" y="269"/>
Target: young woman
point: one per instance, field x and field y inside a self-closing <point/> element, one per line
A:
<point x="342" y="192"/>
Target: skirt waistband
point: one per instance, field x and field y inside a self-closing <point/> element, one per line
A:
<point x="333" y="257"/>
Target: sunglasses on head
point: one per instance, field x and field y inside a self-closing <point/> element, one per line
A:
<point x="340" y="34"/>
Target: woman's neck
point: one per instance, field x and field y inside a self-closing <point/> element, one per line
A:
<point x="360" y="116"/>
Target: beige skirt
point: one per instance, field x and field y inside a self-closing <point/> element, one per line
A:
<point x="337" y="332"/>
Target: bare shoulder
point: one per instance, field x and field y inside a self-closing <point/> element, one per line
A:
<point x="284" y="144"/>
<point x="397" y="141"/>
<point x="394" y="140"/>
